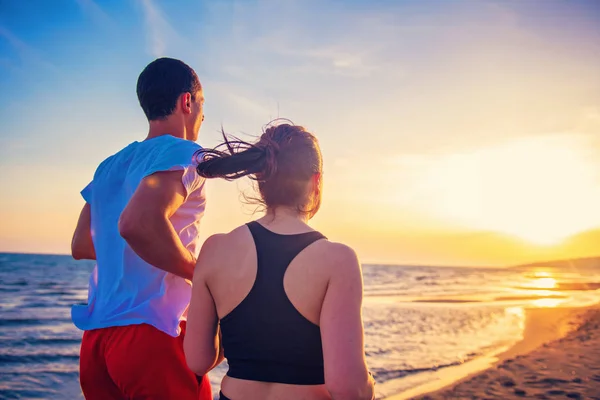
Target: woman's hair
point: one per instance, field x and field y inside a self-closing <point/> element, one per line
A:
<point x="283" y="161"/>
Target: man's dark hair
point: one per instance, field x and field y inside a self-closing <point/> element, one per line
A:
<point x="161" y="83"/>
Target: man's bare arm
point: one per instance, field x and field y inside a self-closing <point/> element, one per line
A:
<point x="82" y="245"/>
<point x="145" y="223"/>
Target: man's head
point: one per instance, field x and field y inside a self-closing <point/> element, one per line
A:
<point x="170" y="89"/>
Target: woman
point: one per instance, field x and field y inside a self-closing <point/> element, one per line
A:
<point x="287" y="300"/>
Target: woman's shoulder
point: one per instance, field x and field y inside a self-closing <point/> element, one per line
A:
<point x="338" y="250"/>
<point x="224" y="241"/>
<point x="220" y="248"/>
<point x="334" y="256"/>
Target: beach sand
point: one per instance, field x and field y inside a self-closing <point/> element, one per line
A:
<point x="559" y="357"/>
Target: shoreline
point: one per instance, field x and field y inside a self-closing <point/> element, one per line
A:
<point x="543" y="326"/>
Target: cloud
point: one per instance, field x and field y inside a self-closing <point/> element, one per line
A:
<point x="334" y="41"/>
<point x="328" y="39"/>
<point x="160" y="33"/>
<point x="452" y="78"/>
<point x="241" y="105"/>
<point x="155" y="24"/>
<point x="27" y="55"/>
<point x="9" y="64"/>
<point x="248" y="105"/>
<point x="96" y="13"/>
<point x="589" y="120"/>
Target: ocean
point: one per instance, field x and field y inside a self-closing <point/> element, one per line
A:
<point x="418" y="319"/>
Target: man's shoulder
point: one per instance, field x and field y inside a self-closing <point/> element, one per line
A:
<point x="160" y="153"/>
<point x="177" y="149"/>
<point x="123" y="153"/>
<point x="169" y="141"/>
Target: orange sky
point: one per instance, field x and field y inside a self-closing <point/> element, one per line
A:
<point x="463" y="135"/>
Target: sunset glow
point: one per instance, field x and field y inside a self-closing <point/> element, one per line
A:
<point x="541" y="189"/>
<point x="465" y="133"/>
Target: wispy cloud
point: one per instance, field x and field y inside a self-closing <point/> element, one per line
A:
<point x="398" y="73"/>
<point x="303" y="53"/>
<point x="96" y="13"/>
<point x="589" y="121"/>
<point x="158" y="29"/>
<point x="309" y="43"/>
<point x="27" y="54"/>
<point x="325" y="39"/>
<point x="333" y="60"/>
<point x="9" y="64"/>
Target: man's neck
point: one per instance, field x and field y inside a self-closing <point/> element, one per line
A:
<point x="166" y="127"/>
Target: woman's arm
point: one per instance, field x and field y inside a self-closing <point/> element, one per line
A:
<point x="346" y="373"/>
<point x="202" y="341"/>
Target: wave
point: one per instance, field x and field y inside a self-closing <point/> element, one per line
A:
<point x="446" y="301"/>
<point x="32" y="341"/>
<point x="30" y="371"/>
<point x="25" y="393"/>
<point x="15" y="322"/>
<point x="574" y="286"/>
<point x="9" y="290"/>
<point x="20" y="282"/>
<point x="382" y="375"/>
<point x="52" y="292"/>
<point x="36" y="358"/>
<point x="39" y="304"/>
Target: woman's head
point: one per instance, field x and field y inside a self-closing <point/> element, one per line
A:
<point x="285" y="161"/>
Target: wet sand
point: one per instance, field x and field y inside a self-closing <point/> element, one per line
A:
<point x="559" y="357"/>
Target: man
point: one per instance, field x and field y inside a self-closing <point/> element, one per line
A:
<point x="140" y="223"/>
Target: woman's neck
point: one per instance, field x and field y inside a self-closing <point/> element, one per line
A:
<point x="285" y="214"/>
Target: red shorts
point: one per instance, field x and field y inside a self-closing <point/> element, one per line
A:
<point x="137" y="362"/>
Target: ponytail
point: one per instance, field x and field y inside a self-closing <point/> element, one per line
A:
<point x="239" y="159"/>
<point x="283" y="162"/>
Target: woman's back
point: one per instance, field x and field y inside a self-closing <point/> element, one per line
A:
<point x="268" y="291"/>
<point x="287" y="299"/>
<point x="266" y="337"/>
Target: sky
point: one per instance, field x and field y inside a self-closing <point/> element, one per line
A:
<point x="453" y="133"/>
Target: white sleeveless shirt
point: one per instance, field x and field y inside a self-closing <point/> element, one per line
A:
<point x="123" y="288"/>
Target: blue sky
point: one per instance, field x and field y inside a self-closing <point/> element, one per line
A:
<point x="393" y="89"/>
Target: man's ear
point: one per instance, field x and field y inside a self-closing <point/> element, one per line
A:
<point x="186" y="102"/>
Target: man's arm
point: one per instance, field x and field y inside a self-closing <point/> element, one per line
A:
<point x="82" y="245"/>
<point x="145" y="223"/>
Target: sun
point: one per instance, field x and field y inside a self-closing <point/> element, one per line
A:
<point x="540" y="189"/>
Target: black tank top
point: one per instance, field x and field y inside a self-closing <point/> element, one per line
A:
<point x="265" y="338"/>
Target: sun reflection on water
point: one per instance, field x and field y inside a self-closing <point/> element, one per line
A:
<point x="540" y="280"/>
<point x="544" y="283"/>
<point x="547" y="302"/>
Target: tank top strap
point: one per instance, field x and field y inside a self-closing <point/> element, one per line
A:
<point x="275" y="251"/>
